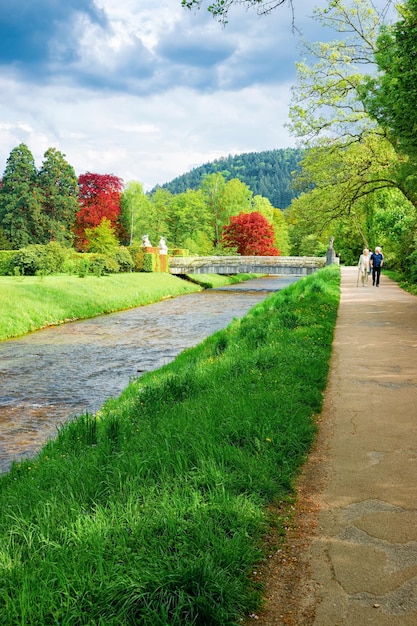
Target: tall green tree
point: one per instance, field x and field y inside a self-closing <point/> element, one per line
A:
<point x="281" y="232"/>
<point x="188" y="215"/>
<point x="59" y="186"/>
<point x="353" y="157"/>
<point x="21" y="199"/>
<point x="325" y="105"/>
<point x="140" y="215"/>
<point x="391" y="96"/>
<point x="212" y="187"/>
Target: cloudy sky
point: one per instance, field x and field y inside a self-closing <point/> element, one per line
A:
<point x="145" y="89"/>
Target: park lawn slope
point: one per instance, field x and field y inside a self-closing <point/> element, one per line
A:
<point x="30" y="303"/>
<point x="152" y="512"/>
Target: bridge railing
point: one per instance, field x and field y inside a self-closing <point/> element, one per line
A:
<point x="294" y="265"/>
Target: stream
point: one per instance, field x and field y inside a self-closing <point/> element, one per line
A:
<point x="54" y="374"/>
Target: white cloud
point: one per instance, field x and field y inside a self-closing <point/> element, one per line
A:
<point x="147" y="90"/>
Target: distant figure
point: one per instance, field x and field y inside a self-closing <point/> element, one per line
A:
<point x="330" y="254"/>
<point x="363" y="266"/>
<point x="145" y="242"/>
<point x="370" y="255"/>
<point x="162" y="246"/>
<point x="377" y="261"/>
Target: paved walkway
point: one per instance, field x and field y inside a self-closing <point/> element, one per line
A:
<point x="362" y="561"/>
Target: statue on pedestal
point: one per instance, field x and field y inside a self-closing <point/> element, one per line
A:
<point x="330" y="254"/>
<point x="163" y="249"/>
<point x="145" y="242"/>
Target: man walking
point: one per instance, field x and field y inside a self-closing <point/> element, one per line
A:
<point x="377" y="260"/>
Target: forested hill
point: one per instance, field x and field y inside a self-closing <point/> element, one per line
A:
<point x="267" y="173"/>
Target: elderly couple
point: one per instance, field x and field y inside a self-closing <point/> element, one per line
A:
<point x="370" y="261"/>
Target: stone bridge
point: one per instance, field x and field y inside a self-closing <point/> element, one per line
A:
<point x="284" y="265"/>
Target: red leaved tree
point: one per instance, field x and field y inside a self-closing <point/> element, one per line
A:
<point x="251" y="234"/>
<point x="99" y="197"/>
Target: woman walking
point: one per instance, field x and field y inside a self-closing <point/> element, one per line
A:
<point x="364" y="266"/>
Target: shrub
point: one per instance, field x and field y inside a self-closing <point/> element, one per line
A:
<point x="151" y="262"/>
<point x="412" y="264"/>
<point x="6" y="262"/>
<point x="101" y="264"/>
<point x="38" y="259"/>
<point x="180" y="252"/>
<point x="137" y="253"/>
<point x="123" y="258"/>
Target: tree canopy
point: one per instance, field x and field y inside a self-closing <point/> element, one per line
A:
<point x="390" y="97"/>
<point x="220" y="8"/>
<point x="99" y="197"/>
<point x="37" y="206"/>
<point x="250" y="234"/>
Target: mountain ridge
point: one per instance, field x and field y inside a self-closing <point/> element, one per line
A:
<point x="268" y="173"/>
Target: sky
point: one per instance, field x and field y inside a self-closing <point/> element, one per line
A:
<point x="145" y="89"/>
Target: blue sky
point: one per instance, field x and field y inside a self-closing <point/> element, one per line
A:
<point x="145" y="89"/>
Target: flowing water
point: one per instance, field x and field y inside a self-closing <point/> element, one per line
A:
<point x="54" y="374"/>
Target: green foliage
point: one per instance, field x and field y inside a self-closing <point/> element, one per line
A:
<point x="102" y="264"/>
<point x="58" y="182"/>
<point x="412" y="266"/>
<point x="154" y="511"/>
<point x="20" y="199"/>
<point x="180" y="252"/>
<point x="102" y="238"/>
<point x="137" y="253"/>
<point x="268" y="174"/>
<point x="140" y="214"/>
<point x="199" y="243"/>
<point x="390" y="96"/>
<point x="123" y="258"/>
<point x="38" y="259"/>
<point x="38" y="207"/>
<point x="151" y="262"/>
<point x="6" y="266"/>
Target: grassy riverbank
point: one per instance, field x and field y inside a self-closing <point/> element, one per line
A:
<point x="29" y="303"/>
<point x="152" y="512"/>
<point x="402" y="281"/>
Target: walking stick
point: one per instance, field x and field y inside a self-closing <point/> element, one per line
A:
<point x="357" y="280"/>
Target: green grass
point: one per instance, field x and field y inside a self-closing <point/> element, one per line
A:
<point x="153" y="511"/>
<point x="210" y="281"/>
<point x="402" y="281"/>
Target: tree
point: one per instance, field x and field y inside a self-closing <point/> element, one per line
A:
<point x="390" y="97"/>
<point x="220" y="8"/>
<point x="187" y="216"/>
<point x="99" y="197"/>
<point x="58" y="183"/>
<point x="353" y="157"/>
<point x="21" y="199"/>
<point x="102" y="238"/>
<point x="325" y="103"/>
<point x="251" y="234"/>
<point x="139" y="215"/>
<point x="281" y="234"/>
<point x="264" y="207"/>
<point x="212" y="188"/>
